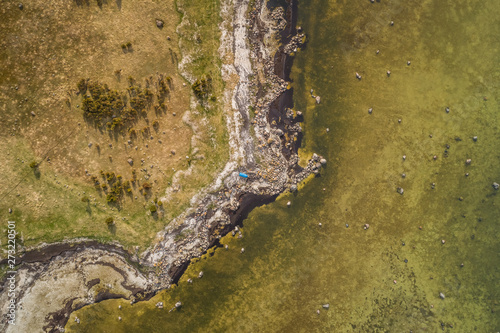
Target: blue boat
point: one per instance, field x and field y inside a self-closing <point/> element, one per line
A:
<point x="244" y="175"/>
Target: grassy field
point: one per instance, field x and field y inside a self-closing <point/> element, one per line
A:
<point x="53" y="156"/>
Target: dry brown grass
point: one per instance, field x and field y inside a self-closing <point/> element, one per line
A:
<point x="48" y="47"/>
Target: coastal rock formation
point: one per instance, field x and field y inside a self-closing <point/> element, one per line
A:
<point x="218" y="211"/>
<point x="71" y="277"/>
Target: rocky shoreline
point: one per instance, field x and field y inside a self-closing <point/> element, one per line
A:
<point x="276" y="133"/>
<point x="262" y="126"/>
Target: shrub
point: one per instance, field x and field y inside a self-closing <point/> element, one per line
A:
<point x="109" y="221"/>
<point x="34" y="165"/>
<point x="85" y="199"/>
<point x="146" y="186"/>
<point x="82" y="86"/>
<point x="152" y="208"/>
<point x="111" y="198"/>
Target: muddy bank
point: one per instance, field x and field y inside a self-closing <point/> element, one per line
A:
<point x="47" y="291"/>
<point x="47" y="252"/>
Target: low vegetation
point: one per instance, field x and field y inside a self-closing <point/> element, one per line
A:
<point x="92" y="130"/>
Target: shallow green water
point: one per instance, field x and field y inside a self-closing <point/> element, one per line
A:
<point x="291" y="265"/>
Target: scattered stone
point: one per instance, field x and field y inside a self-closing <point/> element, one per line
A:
<point x="388" y="73"/>
<point x="392" y="23"/>
<point x="318" y="99"/>
<point x="159" y="305"/>
<point x="441" y="295"/>
<point x="366" y="226"/>
<point x="242" y="250"/>
<point x="347" y="225"/>
<point x="403" y="175"/>
<point x="159" y="23"/>
<point x="443" y="241"/>
<point x="435" y="157"/>
<point x="178" y="305"/>
<point x="90" y="144"/>
<point x="21" y="6"/>
<point x="400" y="190"/>
<point x="370" y="110"/>
<point x="32" y="113"/>
<point x="399" y="121"/>
<point x="190" y="280"/>
<point x="293" y="188"/>
<point x="408" y="63"/>
<point x="319" y="224"/>
<point x="326" y="306"/>
<point x="395" y="281"/>
<point x="404" y="157"/>
<point x="130" y="161"/>
<point x="200" y="275"/>
<point x="119" y="307"/>
<point x="358" y="76"/>
<point x="447" y="109"/>
<point x="496" y="186"/>
<point x="10" y="210"/>
<point x="120" y="318"/>
<point x="172" y="152"/>
<point x="322" y="161"/>
<point x="77" y="320"/>
<point x="317" y="311"/>
<point x="289" y="203"/>
<point x="474" y="138"/>
<point x="468" y="161"/>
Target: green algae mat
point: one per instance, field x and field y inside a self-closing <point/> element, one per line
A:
<point x="422" y="121"/>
